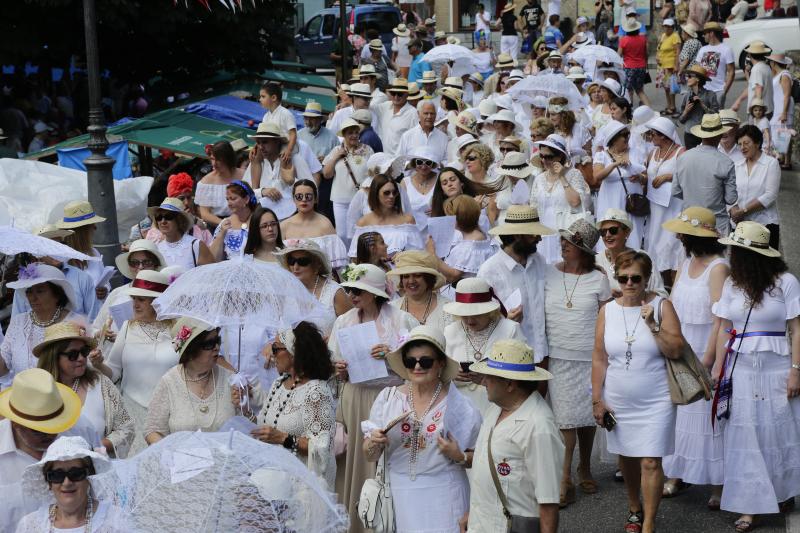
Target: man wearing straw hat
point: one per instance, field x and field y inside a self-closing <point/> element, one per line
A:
<point x="320" y="139"/>
<point x="759" y="84"/>
<point x="35" y="410"/>
<point x="380" y="61"/>
<point x="367" y="74"/>
<point x="396" y="116"/>
<point x="516" y="466"/>
<point x="266" y="163"/>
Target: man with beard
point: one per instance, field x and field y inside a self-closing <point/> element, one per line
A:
<point x="518" y="266"/>
<point x="35" y="410"/>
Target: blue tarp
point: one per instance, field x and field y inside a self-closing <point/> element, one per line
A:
<point x="234" y="111"/>
<point x="73" y="158"/>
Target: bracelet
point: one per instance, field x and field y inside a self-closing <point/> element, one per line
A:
<point x="796" y="366"/>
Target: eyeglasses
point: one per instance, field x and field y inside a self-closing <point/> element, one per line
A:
<point x="390" y="193"/>
<point x="354" y="291"/>
<point x="268" y="225"/>
<point x="613" y="230"/>
<point x="309" y="196"/>
<point x="472" y="158"/>
<point x="144" y="263"/>
<point x="74" y="354"/>
<point x="425" y="363"/>
<point x="74" y="474"/>
<point x="210" y="344"/>
<point x="547" y="157"/>
<point x="623" y="279"/>
<point x="397" y="95"/>
<point x="301" y="261"/>
<point x="425" y="162"/>
<point x="165" y="216"/>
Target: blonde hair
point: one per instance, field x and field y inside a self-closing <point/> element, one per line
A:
<point x="484" y="154"/>
<point x="542" y="126"/>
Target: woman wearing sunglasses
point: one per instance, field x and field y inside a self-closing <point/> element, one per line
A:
<point x="194" y="394"/>
<point x="178" y="247"/>
<point x="230" y="236"/>
<point x="630" y="395"/>
<point x="307" y="223"/>
<point x="263" y="244"/>
<point x="65" y="353"/>
<point x="142" y="353"/>
<point x="478" y="159"/>
<point x="65" y="474"/>
<point x="424" y="455"/>
<point x="420" y="184"/>
<point x="366" y="286"/>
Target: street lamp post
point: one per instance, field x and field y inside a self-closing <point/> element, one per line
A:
<point x="98" y="164"/>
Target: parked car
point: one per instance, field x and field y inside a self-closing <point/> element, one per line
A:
<point x="780" y="34"/>
<point x="314" y="41"/>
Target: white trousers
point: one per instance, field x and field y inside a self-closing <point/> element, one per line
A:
<point x="340" y="217"/>
<point x="509" y="44"/>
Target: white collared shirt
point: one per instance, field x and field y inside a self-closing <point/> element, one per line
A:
<point x="271" y="175"/>
<point x="761" y="183"/>
<point x="528" y="456"/>
<point x="282" y="117"/>
<point x="392" y="126"/>
<point x="735" y="153"/>
<point x="505" y="275"/>
<point x="414" y="138"/>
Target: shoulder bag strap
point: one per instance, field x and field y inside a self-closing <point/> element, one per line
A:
<point x="349" y="170"/>
<point x="739" y="347"/>
<point x="500" y="494"/>
<point x="194" y="255"/>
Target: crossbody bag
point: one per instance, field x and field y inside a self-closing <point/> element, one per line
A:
<point x="514" y="524"/>
<point x="636" y="204"/>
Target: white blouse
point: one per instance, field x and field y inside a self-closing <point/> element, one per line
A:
<point x="397" y="237"/>
<point x="343" y="189"/>
<point x="761" y="183"/>
<point x="212" y="195"/>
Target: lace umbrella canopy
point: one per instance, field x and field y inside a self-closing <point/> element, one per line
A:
<point x="547" y="85"/>
<point x="15" y="241"/>
<point x="220" y="482"/>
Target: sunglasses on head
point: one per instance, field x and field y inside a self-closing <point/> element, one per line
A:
<point x="165" y="216"/>
<point x="302" y="261"/>
<point x="73" y="355"/>
<point x="425" y="363"/>
<point x="613" y="230"/>
<point x="74" y="474"/>
<point x="354" y="291"/>
<point x="144" y="263"/>
<point x="623" y="279"/>
<point x="421" y="162"/>
<point x="212" y="343"/>
<point x="309" y="196"/>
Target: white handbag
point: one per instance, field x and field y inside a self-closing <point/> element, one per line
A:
<point x="375" y="506"/>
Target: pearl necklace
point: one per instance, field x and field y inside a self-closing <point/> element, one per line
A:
<point x="89" y="512"/>
<point x="282" y="406"/>
<point x="416" y="425"/>
<point x="50" y="322"/>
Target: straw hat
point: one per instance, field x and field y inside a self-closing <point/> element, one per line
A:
<point x="690" y="30"/>
<point x="630" y="25"/>
<point x="63" y="449"/>
<point x="37" y="402"/>
<point x="697" y="221"/>
<point x="750" y="235"/>
<point x="555" y="54"/>
<point x="367" y="70"/>
<point x="37" y="273"/>
<point x="698" y="70"/>
<point x="175" y="206"/>
<point x="348" y="123"/>
<point x="185" y="331"/>
<point x="521" y="220"/>
<point x="582" y="234"/>
<point x="464" y="120"/>
<point x="439" y="35"/>
<point x="435" y="338"/>
<point x="302" y="245"/>
<point x="581" y="39"/>
<point x="362" y="116"/>
<point x="511" y="359"/>
<point x="376" y="44"/>
<point x="710" y="126"/>
<point x="65" y="330"/>
<point x="51" y="231"/>
<point x="613" y="214"/>
<point x="452" y="93"/>
<point x="417" y="262"/>
<point x="360" y="89"/>
<point x="780" y="59"/>
<point x="729" y="116"/>
<point x="576" y="73"/>
<point x="149" y="284"/>
<point x="513" y="140"/>
<point x="712" y="26"/>
<point x="313" y="109"/>
<point x="505" y="61"/>
<point x="452" y="39"/>
<point x="508" y="7"/>
<point x="401" y="31"/>
<point x="429" y="76"/>
<point x="454" y="82"/>
<point x="476" y="77"/>
<point x="515" y="164"/>
<point x="414" y="93"/>
<point x="269" y="130"/>
<point x="78" y="213"/>
<point x="354" y="76"/>
<point x="399" y="85"/>
<point x="366" y="277"/>
<point x="473" y="297"/>
<point x="758" y="48"/>
<point x="757" y="102"/>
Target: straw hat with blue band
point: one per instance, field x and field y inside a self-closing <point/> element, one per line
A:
<point x="173" y="205"/>
<point x="511" y="359"/>
<point x="77" y="214"/>
<point x="313" y="110"/>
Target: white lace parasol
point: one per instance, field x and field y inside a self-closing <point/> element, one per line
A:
<point x="449" y="52"/>
<point x="16" y="241"/>
<point x="597" y="53"/>
<point x="220" y="482"/>
<point x="547" y="85"/>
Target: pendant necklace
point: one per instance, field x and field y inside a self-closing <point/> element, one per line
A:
<point x="416" y="424"/>
<point x="425" y="313"/>
<point x="630" y="337"/>
<point x="569" y="295"/>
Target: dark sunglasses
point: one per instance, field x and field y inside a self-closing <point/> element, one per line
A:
<point x="309" y="196"/>
<point x="144" y="263"/>
<point x="354" y="291"/>
<point x="472" y="158"/>
<point x="165" y="216"/>
<point x="210" y="344"/>
<point x="74" y="354"/>
<point x="547" y="157"/>
<point x="425" y="363"/>
<point x="74" y="474"/>
<point x="302" y="261"/>
<point x="420" y="162"/>
<point x="613" y="230"/>
<point x="389" y="193"/>
<point x="623" y="279"/>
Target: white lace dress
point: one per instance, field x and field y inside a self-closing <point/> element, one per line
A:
<point x="398" y="237"/>
<point x="212" y="195"/>
<point x="436" y="317"/>
<point x="550" y="200"/>
<point x="662" y="245"/>
<point x="106" y="519"/>
<point x="21" y="337"/>
<point x="183" y="253"/>
<point x="307" y="411"/>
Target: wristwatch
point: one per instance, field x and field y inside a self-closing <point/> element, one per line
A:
<point x="288" y="442"/>
<point x="655" y="330"/>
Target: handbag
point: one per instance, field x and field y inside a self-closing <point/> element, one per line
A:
<point x="721" y="408"/>
<point x="375" y="505"/>
<point x="636" y="204"/>
<point x="514" y="524"/>
<point x="688" y="379"/>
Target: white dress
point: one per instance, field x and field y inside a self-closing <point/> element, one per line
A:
<point x="212" y="195"/>
<point x="183" y="253"/>
<point x="307" y="411"/>
<point x="777" y="103"/>
<point x="420" y="203"/>
<point x="468" y="255"/>
<point x="327" y="297"/>
<point x="397" y="237"/>
<point x="698" y="445"/>
<point x="554" y="210"/>
<point x="106" y="519"/>
<point x="637" y="393"/>
<point x="762" y="435"/>
<point x="612" y="193"/>
<point x="655" y="284"/>
<point x="662" y="245"/>
<point x="438" y="495"/>
<point x="242" y="349"/>
<point x="334" y="249"/>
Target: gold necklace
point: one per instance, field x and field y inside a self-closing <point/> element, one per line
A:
<point x="571" y="294"/>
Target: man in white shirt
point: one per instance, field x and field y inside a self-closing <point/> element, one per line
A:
<point x="519" y="447"/>
<point x="425" y="134"/>
<point x="35" y="410"/>
<point x="271" y="97"/>
<point x="727" y="144"/>
<point x="395" y="117"/>
<point x="268" y="175"/>
<point x="518" y="266"/>
<point x="717" y="58"/>
<point x="368" y="75"/>
<point x="361" y="96"/>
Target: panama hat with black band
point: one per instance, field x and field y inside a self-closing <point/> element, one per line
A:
<point x="711" y="126"/>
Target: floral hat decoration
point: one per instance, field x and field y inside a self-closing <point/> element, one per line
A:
<point x="185" y="331"/>
<point x="694" y="220"/>
<point x="366" y="277"/>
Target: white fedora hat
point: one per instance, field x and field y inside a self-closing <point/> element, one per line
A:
<point x="473" y="297"/>
<point x="149" y="283"/>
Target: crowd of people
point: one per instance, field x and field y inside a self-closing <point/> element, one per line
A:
<point x="480" y="238"/>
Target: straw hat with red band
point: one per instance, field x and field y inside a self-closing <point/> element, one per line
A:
<point x="474" y="297"/>
<point x="36" y="401"/>
<point x="149" y="284"/>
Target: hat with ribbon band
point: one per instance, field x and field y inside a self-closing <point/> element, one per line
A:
<point x="694" y="220"/>
<point x="753" y="236"/>
<point x="36" y="401"/>
<point x="77" y="214"/>
<point x="521" y="220"/>
<point x="149" y="284"/>
<point x="474" y="297"/>
<point x="174" y="206"/>
<point x="511" y="359"/>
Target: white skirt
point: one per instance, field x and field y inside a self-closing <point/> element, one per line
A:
<point x="430" y="504"/>
<point x="761" y="437"/>
<point x="698" y="447"/>
<point x="569" y="393"/>
<point x="661" y="245"/>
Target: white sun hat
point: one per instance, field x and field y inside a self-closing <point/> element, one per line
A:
<point x="432" y="336"/>
<point x="752" y="236"/>
<point x="149" y="284"/>
<point x="139" y="245"/>
<point x="63" y="449"/>
<point x="36" y="273"/>
<point x="366" y="277"/>
<point x="473" y="297"/>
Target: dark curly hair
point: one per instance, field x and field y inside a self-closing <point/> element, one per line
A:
<point x="311" y="356"/>
<point x="755" y="274"/>
<point x="701" y="246"/>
